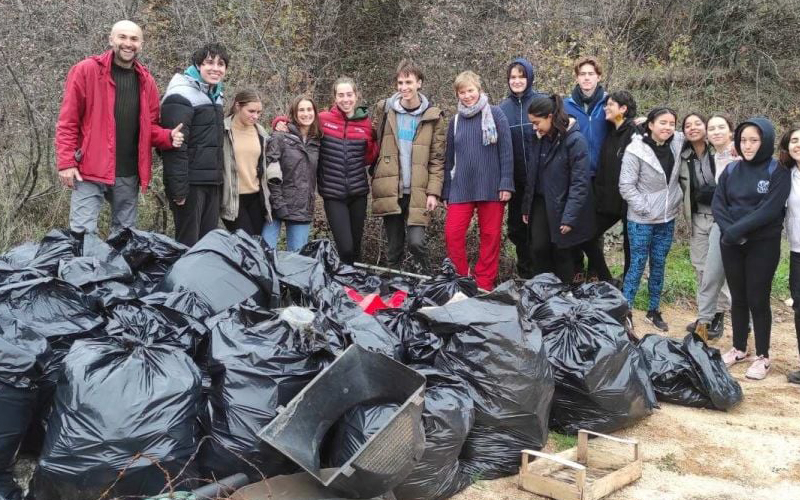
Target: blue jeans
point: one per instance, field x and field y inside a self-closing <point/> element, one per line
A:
<point x="296" y="234"/>
<point x="653" y="241"/>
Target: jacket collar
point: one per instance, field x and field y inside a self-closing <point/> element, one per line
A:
<point x="229" y="123"/>
<point x="106" y="59"/>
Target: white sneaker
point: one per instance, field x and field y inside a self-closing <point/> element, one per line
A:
<point x="734" y="356"/>
<point x="759" y="369"/>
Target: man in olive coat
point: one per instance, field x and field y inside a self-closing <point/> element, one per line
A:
<point x="409" y="172"/>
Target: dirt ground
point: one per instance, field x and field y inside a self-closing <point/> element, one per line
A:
<point x="751" y="452"/>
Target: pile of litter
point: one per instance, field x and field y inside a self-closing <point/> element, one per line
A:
<point x="136" y="366"/>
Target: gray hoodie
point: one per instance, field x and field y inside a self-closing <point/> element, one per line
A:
<point x="407" y="122"/>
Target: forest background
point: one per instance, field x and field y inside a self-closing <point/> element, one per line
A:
<point x="738" y="56"/>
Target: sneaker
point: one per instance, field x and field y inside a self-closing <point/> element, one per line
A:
<point x="702" y="331"/>
<point x="734" y="356"/>
<point x="759" y="369"/>
<point x="691" y="326"/>
<point x="793" y="377"/>
<point x="655" y="318"/>
<point x="717" y="326"/>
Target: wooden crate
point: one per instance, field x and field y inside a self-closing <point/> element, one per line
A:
<point x="583" y="472"/>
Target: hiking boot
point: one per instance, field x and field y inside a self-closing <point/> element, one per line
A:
<point x="793" y="377"/>
<point x="717" y="326"/>
<point x="690" y="328"/>
<point x="759" y="369"/>
<point x="702" y="331"/>
<point x="657" y="321"/>
<point x="734" y="356"/>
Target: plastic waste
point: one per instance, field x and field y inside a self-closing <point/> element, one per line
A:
<point x="124" y="417"/>
<point x="24" y="355"/>
<point x="258" y="362"/>
<point x="224" y="269"/>
<point x="448" y="417"/>
<point x="507" y="373"/>
<point x="602" y="382"/>
<point x="689" y="373"/>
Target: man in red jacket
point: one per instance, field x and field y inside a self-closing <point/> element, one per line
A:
<point x="106" y="130"/>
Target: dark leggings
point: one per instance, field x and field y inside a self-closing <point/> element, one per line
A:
<point x="346" y="220"/>
<point x="794" y="289"/>
<point x="749" y="269"/>
<point x="597" y="259"/>
<point x="251" y="215"/>
<point x="547" y="257"/>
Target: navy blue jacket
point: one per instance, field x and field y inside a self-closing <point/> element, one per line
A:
<point x="566" y="187"/>
<point x="516" y="110"/>
<point x="593" y="124"/>
<point x="750" y="201"/>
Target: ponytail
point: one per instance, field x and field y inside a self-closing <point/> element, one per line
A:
<point x="542" y="107"/>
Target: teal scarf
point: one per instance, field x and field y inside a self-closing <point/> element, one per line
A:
<point x="214" y="91"/>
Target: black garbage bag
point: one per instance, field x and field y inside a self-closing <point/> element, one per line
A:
<point x="158" y="324"/>
<point x="301" y="277"/>
<point x="259" y="360"/>
<point x="38" y="260"/>
<point x="98" y="262"/>
<point x="689" y="373"/>
<point x="345" y="323"/>
<point x="150" y="255"/>
<point x="324" y="252"/>
<point x="225" y="269"/>
<point x="537" y="290"/>
<point x="184" y="301"/>
<point x="100" y="271"/>
<point x="353" y="430"/>
<point x="448" y="417"/>
<point x="441" y="288"/>
<point x="503" y="361"/>
<point x="24" y="354"/>
<point x="602" y="382"/>
<point x="605" y="297"/>
<point x="417" y="343"/>
<point x="61" y="313"/>
<point x="122" y="404"/>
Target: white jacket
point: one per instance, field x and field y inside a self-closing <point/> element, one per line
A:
<point x="793" y="212"/>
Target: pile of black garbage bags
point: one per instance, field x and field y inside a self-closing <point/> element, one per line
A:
<point x="135" y="365"/>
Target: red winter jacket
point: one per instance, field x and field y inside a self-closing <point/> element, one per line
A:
<point x="85" y="132"/>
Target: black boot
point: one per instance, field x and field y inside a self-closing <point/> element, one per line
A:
<point x="717" y="326"/>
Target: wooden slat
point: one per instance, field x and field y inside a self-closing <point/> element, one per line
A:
<point x="549" y="487"/>
<point x="616" y="480"/>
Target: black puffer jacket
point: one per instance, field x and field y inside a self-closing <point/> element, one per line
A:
<point x="293" y="199"/>
<point x="606" y="182"/>
<point x="200" y="159"/>
<point x="348" y="147"/>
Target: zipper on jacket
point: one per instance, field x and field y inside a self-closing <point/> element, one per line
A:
<point x="346" y="165"/>
<point x="522" y="127"/>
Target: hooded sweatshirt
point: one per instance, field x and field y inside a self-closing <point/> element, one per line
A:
<point x="516" y="110"/>
<point x="407" y="121"/>
<point x="749" y="202"/>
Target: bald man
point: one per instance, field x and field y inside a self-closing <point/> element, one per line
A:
<point x="107" y="127"/>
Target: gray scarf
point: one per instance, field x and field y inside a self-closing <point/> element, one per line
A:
<point x="487" y="120"/>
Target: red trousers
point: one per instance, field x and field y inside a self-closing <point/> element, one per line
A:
<point x="490" y="228"/>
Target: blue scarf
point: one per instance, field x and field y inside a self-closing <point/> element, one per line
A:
<point x="214" y="91"/>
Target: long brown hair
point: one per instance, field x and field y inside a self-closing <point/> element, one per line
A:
<point x="313" y="130"/>
<point x="243" y="97"/>
<point x="783" y="148"/>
